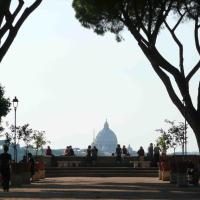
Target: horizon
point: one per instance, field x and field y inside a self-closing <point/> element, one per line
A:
<point x="69" y="81"/>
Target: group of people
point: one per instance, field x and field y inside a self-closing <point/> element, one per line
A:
<point x="5" y="167"/>
<point x="91" y="155"/>
<point x="69" y="151"/>
<point x="153" y="154"/>
<point x="120" y="152"/>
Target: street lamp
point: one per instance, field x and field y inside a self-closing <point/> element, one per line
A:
<point x="185" y="130"/>
<point x="15" y="104"/>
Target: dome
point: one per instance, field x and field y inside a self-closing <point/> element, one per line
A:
<point x="106" y="140"/>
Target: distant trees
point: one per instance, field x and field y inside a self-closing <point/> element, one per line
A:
<point x="32" y="139"/>
<point x="11" y="21"/>
<point x="145" y="19"/>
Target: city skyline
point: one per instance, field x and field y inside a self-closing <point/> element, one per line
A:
<point x="69" y="81"/>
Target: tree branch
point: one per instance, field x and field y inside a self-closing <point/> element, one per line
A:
<point x="14" y="30"/>
<point x="178" y="43"/>
<point x="196" y="35"/>
<point x="10" y="20"/>
<point x="127" y="21"/>
<point x="193" y="71"/>
<point x="161" y="17"/>
<point x="166" y="80"/>
<point x="150" y="17"/>
<point x="139" y="20"/>
<point x="198" y="100"/>
<point x="19" y="7"/>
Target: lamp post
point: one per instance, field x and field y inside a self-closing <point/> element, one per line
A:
<point x="185" y="130"/>
<point x="15" y="104"/>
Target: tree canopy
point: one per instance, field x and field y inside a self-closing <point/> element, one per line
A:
<point x="145" y="19"/>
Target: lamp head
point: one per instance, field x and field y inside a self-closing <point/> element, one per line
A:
<point x="15" y="102"/>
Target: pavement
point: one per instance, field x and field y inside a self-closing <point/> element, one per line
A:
<point x="102" y="188"/>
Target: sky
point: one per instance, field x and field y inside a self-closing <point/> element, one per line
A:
<point x="69" y="81"/>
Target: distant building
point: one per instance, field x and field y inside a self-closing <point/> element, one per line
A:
<point x="106" y="140"/>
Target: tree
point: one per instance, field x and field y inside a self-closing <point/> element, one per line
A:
<point x="39" y="140"/>
<point x="172" y="137"/>
<point x="145" y="19"/>
<point x="11" y="22"/>
<point x="4" y="106"/>
<point x="26" y="134"/>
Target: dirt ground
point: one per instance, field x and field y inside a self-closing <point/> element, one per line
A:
<point x="101" y="188"/>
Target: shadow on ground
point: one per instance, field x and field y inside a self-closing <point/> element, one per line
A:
<point x="51" y="189"/>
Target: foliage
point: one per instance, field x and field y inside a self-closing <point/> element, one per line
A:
<point x="11" y="20"/>
<point x="173" y="137"/>
<point x="4" y="104"/>
<point x="39" y="140"/>
<point x="145" y="19"/>
<point x="163" y="141"/>
<point x="26" y="134"/>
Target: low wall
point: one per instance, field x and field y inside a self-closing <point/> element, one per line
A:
<point x="102" y="161"/>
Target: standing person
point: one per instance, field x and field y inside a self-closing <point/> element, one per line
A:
<point x="94" y="154"/>
<point x="48" y="151"/>
<point x="156" y="152"/>
<point x="32" y="165"/>
<point x="71" y="151"/>
<point x="150" y="153"/>
<point x="141" y="153"/>
<point x="89" y="155"/>
<point x="124" y="150"/>
<point x="5" y="160"/>
<point x="66" y="151"/>
<point x="118" y="153"/>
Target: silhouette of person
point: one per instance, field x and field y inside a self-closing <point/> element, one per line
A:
<point x="5" y="160"/>
<point x="94" y="152"/>
<point x="124" y="150"/>
<point x="118" y="153"/>
<point x="150" y="153"/>
<point x="141" y="153"/>
<point x="89" y="155"/>
<point x="156" y="155"/>
<point x="32" y="165"/>
<point x="48" y="151"/>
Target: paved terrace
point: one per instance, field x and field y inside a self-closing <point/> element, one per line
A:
<point x="101" y="188"/>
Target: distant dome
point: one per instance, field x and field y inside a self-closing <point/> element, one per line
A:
<point x="106" y="140"/>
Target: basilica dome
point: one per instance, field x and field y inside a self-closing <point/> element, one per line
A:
<point x="106" y="140"/>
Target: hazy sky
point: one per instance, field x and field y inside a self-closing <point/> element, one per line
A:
<point x="69" y="81"/>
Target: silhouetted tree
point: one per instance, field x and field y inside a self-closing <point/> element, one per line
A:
<point x="4" y="105"/>
<point x="145" y="19"/>
<point x="10" y="22"/>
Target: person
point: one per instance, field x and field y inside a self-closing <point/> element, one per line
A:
<point x="150" y="153"/>
<point x="32" y="165"/>
<point x="141" y="153"/>
<point x="124" y="151"/>
<point x="67" y="151"/>
<point x="5" y="161"/>
<point x="71" y="151"/>
<point x="118" y="153"/>
<point x="89" y="155"/>
<point x="94" y="152"/>
<point x="48" y="151"/>
<point x="156" y="155"/>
